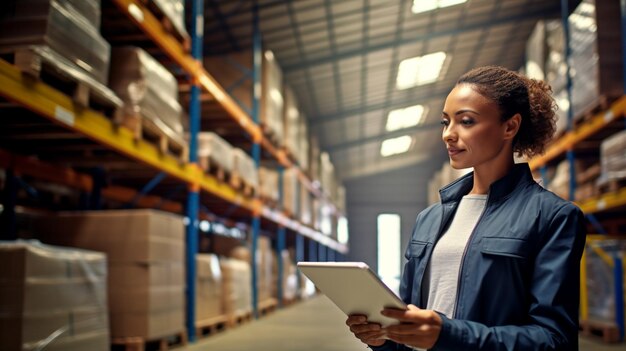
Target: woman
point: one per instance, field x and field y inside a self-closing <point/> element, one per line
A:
<point x="495" y="264"/>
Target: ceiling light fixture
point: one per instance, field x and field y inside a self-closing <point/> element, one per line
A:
<point x="405" y="117"/>
<point x="420" y="6"/>
<point x="420" y="70"/>
<point x="395" y="146"/>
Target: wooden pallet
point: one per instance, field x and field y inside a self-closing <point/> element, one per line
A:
<point x="211" y="326"/>
<point x="167" y="24"/>
<point x="41" y="64"/>
<point x="142" y="344"/>
<point x="146" y="129"/>
<point x="607" y="332"/>
<point x="214" y="169"/>
<point x="267" y="306"/>
<point x="237" y="182"/>
<point x="239" y="318"/>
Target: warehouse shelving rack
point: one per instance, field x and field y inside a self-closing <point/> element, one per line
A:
<point x="58" y="108"/>
<point x="596" y="128"/>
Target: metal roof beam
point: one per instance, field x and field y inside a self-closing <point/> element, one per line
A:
<point x="534" y="14"/>
<point x="380" y="137"/>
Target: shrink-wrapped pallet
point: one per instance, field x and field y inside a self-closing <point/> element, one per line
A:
<point x="268" y="182"/>
<point x="147" y="89"/>
<point x="213" y="151"/>
<point x="613" y="158"/>
<point x="289" y="284"/>
<point x="264" y="263"/>
<point x="64" y="27"/>
<point x="595" y="69"/>
<point x="292" y="119"/>
<point x="145" y="250"/>
<point x="600" y="277"/>
<point x="209" y="287"/>
<point x="306" y="215"/>
<point x="244" y="168"/>
<point x="236" y="294"/>
<point x="302" y="154"/>
<point x="314" y="159"/>
<point x="227" y="71"/>
<point x="52" y="298"/>
<point x="174" y="10"/>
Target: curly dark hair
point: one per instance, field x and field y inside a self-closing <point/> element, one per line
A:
<point x="515" y="93"/>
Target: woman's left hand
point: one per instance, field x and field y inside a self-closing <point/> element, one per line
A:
<point x="417" y="328"/>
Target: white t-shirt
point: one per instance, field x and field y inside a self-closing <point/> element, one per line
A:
<point x="442" y="274"/>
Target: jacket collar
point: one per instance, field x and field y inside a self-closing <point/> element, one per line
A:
<point x="519" y="174"/>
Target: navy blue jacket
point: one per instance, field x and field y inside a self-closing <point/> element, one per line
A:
<point x="518" y="286"/>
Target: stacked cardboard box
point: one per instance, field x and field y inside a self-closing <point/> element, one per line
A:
<point x="147" y="89"/>
<point x="236" y="294"/>
<point x="65" y="28"/>
<point x="268" y="179"/>
<point x="146" y="253"/>
<point x="302" y="151"/>
<point x="290" y="191"/>
<point x="264" y="262"/>
<point x="226" y="70"/>
<point x="292" y="122"/>
<point x="213" y="151"/>
<point x="52" y="298"/>
<point x="245" y="168"/>
<point x="596" y="70"/>
<point x="613" y="158"/>
<point x="327" y="175"/>
<point x="209" y="287"/>
<point x="174" y="10"/>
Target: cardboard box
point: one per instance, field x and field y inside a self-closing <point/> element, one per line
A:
<point x="209" y="287"/>
<point x="146" y="286"/>
<point x="52" y="294"/>
<point x="236" y="294"/>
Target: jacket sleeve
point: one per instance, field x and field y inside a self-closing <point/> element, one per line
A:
<point x="553" y="310"/>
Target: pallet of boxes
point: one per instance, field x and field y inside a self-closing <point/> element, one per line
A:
<point x="59" y="43"/>
<point x="52" y="298"/>
<point x="146" y="272"/>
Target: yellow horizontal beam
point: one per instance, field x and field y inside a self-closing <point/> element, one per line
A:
<point x="604" y="202"/>
<point x="570" y="139"/>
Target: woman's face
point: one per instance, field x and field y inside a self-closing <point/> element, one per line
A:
<point x="472" y="130"/>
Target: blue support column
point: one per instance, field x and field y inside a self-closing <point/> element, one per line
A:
<point x="618" y="274"/>
<point x="331" y="255"/>
<point x="300" y="248"/>
<point x="321" y="253"/>
<point x="193" y="198"/>
<point x="256" y="147"/>
<point x="570" y="111"/>
<point x="313" y="251"/>
<point x="280" y="242"/>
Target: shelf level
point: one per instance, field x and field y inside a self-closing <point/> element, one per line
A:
<point x="604" y="202"/>
<point x="588" y="128"/>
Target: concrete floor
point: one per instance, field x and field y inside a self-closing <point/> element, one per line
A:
<point x="315" y="324"/>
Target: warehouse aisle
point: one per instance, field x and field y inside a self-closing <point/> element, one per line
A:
<point x="315" y="324"/>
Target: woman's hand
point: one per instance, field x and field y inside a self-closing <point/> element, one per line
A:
<point x="417" y="328"/>
<point x="369" y="333"/>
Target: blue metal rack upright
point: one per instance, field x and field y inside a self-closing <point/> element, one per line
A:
<point x="193" y="199"/>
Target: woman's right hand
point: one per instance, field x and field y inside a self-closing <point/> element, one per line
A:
<point x="369" y="333"/>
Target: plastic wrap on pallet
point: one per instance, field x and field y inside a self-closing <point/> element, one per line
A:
<point x="536" y="52"/>
<point x="59" y="26"/>
<point x="90" y="9"/>
<point x="594" y="67"/>
<point x="174" y="10"/>
<point x="600" y="278"/>
<point x="145" y="252"/>
<point x="244" y="166"/>
<point x="264" y="263"/>
<point x="292" y="121"/>
<point x="290" y="191"/>
<point x="62" y="298"/>
<point x="209" y="287"/>
<point x="268" y="183"/>
<point x="613" y="158"/>
<point x="214" y="149"/>
<point x="147" y="89"/>
<point x="272" y="99"/>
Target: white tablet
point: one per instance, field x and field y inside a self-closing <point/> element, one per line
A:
<point x="354" y="288"/>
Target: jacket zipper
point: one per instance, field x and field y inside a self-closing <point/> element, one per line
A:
<point x="469" y="241"/>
